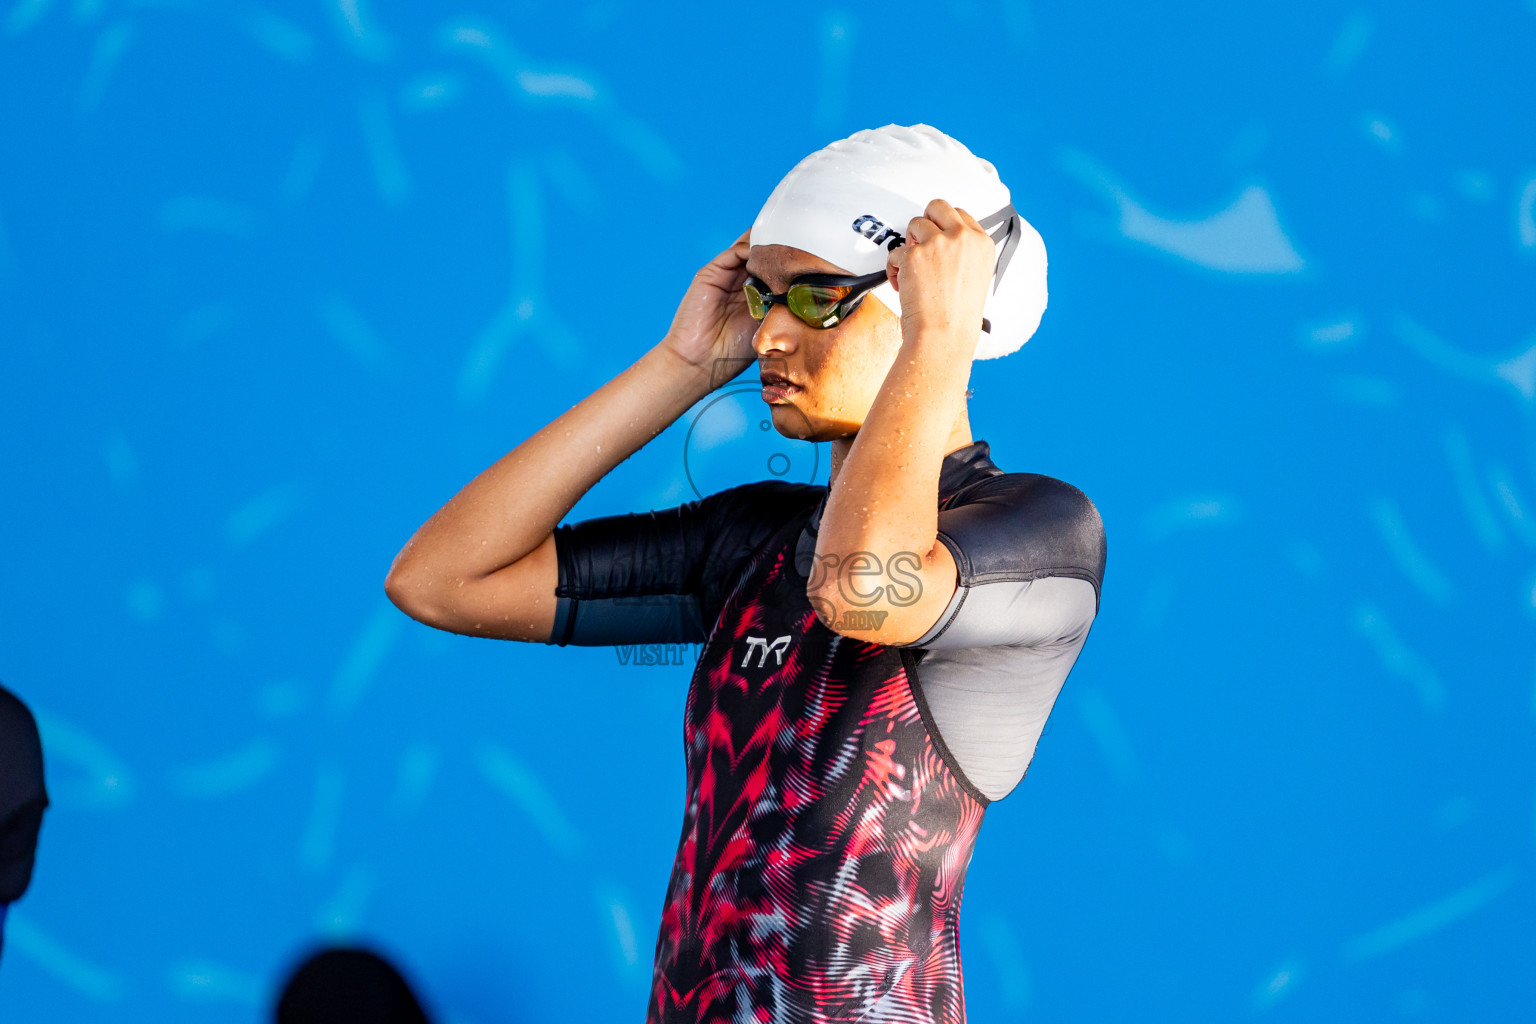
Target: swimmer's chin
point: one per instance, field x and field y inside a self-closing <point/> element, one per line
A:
<point x="790" y="422"/>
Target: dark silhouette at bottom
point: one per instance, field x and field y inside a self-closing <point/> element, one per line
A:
<point x="23" y="799"/>
<point x="348" y="986"/>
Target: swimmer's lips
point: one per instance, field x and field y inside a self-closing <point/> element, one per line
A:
<point x="778" y="388"/>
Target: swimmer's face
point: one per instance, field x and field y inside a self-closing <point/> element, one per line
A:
<point x="834" y="373"/>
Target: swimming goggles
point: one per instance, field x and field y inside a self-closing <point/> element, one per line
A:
<point x="825" y="300"/>
<point x="820" y="300"/>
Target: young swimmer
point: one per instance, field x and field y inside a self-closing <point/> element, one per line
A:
<point x="880" y="654"/>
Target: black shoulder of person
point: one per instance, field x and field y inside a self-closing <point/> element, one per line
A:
<point x="22" y="795"/>
<point x="1022" y="526"/>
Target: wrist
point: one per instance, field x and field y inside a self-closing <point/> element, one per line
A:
<point x="689" y="375"/>
<point x="941" y="346"/>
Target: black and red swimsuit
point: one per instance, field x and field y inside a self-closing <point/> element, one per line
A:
<point x="827" y="828"/>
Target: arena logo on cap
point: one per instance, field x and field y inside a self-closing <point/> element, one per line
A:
<point x="873" y="229"/>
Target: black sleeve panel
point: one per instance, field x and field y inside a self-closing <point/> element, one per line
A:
<point x="1023" y="526"/>
<point x="661" y="577"/>
<point x="642" y="619"/>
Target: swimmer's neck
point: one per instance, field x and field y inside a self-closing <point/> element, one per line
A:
<point x="959" y="437"/>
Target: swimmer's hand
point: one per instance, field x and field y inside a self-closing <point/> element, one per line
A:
<point x="942" y="274"/>
<point x="713" y="329"/>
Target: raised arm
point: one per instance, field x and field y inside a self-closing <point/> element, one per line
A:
<point x="484" y="564"/>
<point x="883" y="503"/>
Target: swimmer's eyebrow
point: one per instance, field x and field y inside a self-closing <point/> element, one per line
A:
<point x="758" y="274"/>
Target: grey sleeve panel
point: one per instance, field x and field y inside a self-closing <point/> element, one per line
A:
<point x="1029" y="557"/>
<point x="1030" y="613"/>
<point x="990" y="702"/>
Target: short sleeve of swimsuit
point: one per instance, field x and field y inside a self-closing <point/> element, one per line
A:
<point x="662" y="577"/>
<point x="1029" y="554"/>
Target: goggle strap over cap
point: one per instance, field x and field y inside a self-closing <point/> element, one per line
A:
<point x="1007" y="221"/>
<point x="1009" y="236"/>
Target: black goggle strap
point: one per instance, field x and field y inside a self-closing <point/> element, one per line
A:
<point x="863" y="285"/>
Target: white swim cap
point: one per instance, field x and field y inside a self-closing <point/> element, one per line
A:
<point x="842" y="203"/>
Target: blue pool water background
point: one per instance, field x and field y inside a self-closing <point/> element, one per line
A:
<point x="276" y="280"/>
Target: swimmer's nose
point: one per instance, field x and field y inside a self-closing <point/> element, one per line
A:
<point x="778" y="334"/>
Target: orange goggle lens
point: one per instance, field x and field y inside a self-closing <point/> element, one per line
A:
<point x="818" y="305"/>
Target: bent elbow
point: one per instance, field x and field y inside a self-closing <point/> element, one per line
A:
<point x="824" y="606"/>
<point x="395" y="590"/>
<point x="408" y="592"/>
<point x="873" y="625"/>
